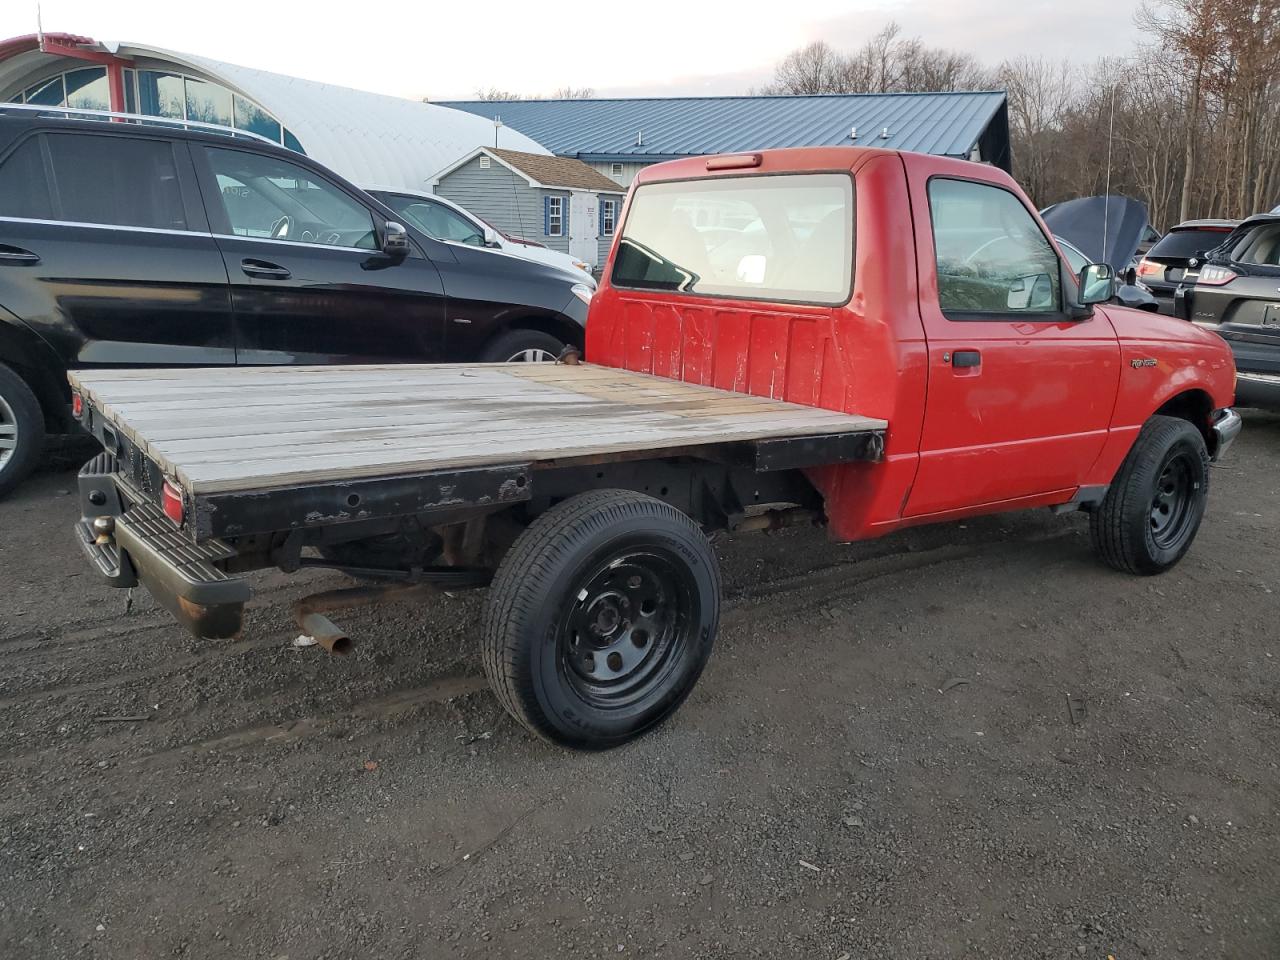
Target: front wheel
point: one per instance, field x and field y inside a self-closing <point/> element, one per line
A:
<point x="601" y="618"/>
<point x="522" y="346"/>
<point x="1153" y="508"/>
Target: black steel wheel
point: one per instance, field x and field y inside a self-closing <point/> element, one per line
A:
<point x="601" y="618"/>
<point x="1153" y="508"/>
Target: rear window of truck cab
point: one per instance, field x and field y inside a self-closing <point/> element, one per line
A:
<point x="785" y="238"/>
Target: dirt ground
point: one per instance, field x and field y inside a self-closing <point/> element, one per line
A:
<point x="880" y="762"/>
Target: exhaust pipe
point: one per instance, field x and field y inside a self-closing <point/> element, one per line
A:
<point x="309" y="612"/>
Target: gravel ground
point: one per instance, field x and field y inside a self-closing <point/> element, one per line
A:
<point x="879" y="762"/>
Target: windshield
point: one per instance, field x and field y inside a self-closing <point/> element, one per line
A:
<point x="1075" y="259"/>
<point x="1184" y="244"/>
<point x="786" y="238"/>
<point x="435" y="219"/>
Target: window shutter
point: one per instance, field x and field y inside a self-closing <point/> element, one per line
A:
<point x="546" y="216"/>
<point x="564" y="216"/>
<point x="600" y="229"/>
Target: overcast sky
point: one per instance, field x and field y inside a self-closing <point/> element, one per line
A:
<point x="445" y="49"/>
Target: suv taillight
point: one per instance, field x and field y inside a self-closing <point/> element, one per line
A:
<point x="171" y="502"/>
<point x="1149" y="268"/>
<point x="1212" y="275"/>
<point x="77" y="406"/>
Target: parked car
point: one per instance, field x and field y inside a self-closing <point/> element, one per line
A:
<point x="149" y="244"/>
<point x="1127" y="294"/>
<point x="452" y="223"/>
<point x="1107" y="229"/>
<point x="1162" y="269"/>
<point x="1236" y="291"/>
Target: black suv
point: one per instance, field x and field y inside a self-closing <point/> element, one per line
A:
<point x="1236" y="291"/>
<point x="150" y="243"/>
<point x="1165" y="264"/>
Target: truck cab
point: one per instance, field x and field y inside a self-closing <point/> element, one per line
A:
<point x="921" y="290"/>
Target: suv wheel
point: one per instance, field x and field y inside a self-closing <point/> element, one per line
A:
<point x="21" y="430"/>
<point x="523" y="346"/>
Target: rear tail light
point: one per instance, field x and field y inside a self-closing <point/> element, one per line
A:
<point x="171" y="501"/>
<point x="1149" y="268"/>
<point x="1215" y="276"/>
<point x="77" y="405"/>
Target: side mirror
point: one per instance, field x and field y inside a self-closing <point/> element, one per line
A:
<point x="1097" y="284"/>
<point x="1130" y="277"/>
<point x="491" y="237"/>
<point x="395" y="240"/>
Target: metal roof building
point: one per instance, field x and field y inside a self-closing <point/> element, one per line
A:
<point x="635" y="132"/>
<point x="371" y="139"/>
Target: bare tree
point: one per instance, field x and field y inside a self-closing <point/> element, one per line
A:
<point x="573" y="93"/>
<point x="815" y="68"/>
<point x="493" y="93"/>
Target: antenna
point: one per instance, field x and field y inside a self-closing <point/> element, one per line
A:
<point x="1106" y="193"/>
<point x="39" y="29"/>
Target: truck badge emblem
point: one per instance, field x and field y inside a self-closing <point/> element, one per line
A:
<point x="1142" y="362"/>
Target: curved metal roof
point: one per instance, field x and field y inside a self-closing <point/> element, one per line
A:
<point x="369" y="138"/>
<point x="646" y="130"/>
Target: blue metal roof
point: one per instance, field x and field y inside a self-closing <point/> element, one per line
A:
<point x="647" y="130"/>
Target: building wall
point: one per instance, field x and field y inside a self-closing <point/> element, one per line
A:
<point x="505" y="199"/>
<point x="629" y="171"/>
<point x="607" y="242"/>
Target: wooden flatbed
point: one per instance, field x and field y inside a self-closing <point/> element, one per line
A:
<point x="238" y="429"/>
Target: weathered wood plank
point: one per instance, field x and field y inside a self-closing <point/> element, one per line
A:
<point x="232" y="428"/>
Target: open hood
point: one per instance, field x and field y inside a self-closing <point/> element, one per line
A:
<point x="1105" y="229"/>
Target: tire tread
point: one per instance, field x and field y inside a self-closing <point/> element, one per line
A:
<point x="525" y="576"/>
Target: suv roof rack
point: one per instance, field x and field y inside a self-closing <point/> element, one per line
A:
<point x="76" y="113"/>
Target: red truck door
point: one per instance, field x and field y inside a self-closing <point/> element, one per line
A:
<point x="1020" y="395"/>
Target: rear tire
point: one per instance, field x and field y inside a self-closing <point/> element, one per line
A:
<point x="1153" y="508"/>
<point x="21" y="430"/>
<point x="601" y="618"/>
<point x="522" y="346"/>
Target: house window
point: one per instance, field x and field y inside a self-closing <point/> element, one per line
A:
<point x="615" y="170"/>
<point x="484" y="163"/>
<point x="555" y="217"/>
<point x="608" y="217"/>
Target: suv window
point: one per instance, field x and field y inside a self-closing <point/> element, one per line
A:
<point x="1260" y="246"/>
<point x="992" y="257"/>
<point x="273" y="198"/>
<point x="436" y="220"/>
<point x="785" y="238"/>
<point x="125" y="181"/>
<point x="24" y="189"/>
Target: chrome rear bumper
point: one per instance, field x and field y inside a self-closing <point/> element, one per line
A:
<point x="1226" y="427"/>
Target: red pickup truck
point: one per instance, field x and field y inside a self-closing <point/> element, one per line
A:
<point x="860" y="337"/>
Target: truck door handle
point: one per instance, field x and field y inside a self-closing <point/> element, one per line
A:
<point x="966" y="358"/>
<point x="16" y="255"/>
<point x="264" y="269"/>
